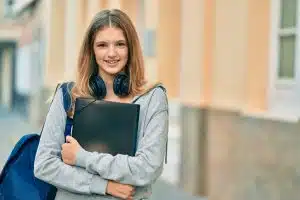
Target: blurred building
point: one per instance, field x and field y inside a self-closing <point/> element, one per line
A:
<point x="230" y="68"/>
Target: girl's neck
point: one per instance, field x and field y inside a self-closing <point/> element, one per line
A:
<point x="109" y="81"/>
<point x="110" y="95"/>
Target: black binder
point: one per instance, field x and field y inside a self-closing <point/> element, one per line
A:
<point x="105" y="126"/>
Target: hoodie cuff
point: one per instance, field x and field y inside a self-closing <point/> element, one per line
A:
<point x="81" y="158"/>
<point x="98" y="185"/>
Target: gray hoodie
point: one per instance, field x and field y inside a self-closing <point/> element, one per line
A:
<point x="88" y="178"/>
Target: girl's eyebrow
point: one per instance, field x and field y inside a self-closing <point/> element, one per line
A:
<point x="105" y="41"/>
<point x="101" y="41"/>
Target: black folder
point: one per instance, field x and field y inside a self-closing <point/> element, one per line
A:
<point x="105" y="126"/>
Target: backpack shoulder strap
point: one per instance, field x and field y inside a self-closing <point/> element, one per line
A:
<point x="66" y="89"/>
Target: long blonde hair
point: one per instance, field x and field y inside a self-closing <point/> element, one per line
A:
<point x="86" y="61"/>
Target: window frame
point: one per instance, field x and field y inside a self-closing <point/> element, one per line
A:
<point x="283" y="93"/>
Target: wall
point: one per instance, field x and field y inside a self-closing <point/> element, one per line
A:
<point x="252" y="158"/>
<point x="168" y="45"/>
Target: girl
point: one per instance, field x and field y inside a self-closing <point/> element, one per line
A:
<point x="110" y="67"/>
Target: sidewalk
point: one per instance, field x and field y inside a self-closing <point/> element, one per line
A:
<point x="13" y="127"/>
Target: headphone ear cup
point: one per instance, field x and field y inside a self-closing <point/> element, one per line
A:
<point x="121" y="84"/>
<point x="98" y="87"/>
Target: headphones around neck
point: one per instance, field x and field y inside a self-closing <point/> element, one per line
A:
<point x="98" y="87"/>
<point x="120" y="85"/>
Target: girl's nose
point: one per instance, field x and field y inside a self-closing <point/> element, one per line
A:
<point x="112" y="51"/>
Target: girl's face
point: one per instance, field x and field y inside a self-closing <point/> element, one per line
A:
<point x="111" y="51"/>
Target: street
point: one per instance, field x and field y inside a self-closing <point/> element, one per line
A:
<point x="13" y="127"/>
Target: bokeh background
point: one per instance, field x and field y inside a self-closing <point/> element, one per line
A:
<point x="230" y="68"/>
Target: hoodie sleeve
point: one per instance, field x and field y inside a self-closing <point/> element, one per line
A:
<point x="146" y="166"/>
<point x="48" y="165"/>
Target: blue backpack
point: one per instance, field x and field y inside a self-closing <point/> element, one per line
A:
<point x="17" y="180"/>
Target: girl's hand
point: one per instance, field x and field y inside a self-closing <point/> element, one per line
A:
<point x="119" y="190"/>
<point x="69" y="150"/>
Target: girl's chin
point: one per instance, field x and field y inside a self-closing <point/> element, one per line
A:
<point x="111" y="71"/>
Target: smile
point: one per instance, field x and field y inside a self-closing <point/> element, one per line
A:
<point x="111" y="62"/>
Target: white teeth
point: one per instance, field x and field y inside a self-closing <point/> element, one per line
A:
<point x="112" y="61"/>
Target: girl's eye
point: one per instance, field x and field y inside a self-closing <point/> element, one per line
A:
<point x="101" y="45"/>
<point x="121" y="44"/>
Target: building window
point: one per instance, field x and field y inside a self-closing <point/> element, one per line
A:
<point x="284" y="93"/>
<point x="287" y="35"/>
<point x="8" y="8"/>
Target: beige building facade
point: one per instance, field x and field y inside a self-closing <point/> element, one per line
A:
<point x="230" y="69"/>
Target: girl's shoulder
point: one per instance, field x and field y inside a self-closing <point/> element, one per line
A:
<point x="152" y="92"/>
<point x="150" y="88"/>
<point x="153" y="86"/>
